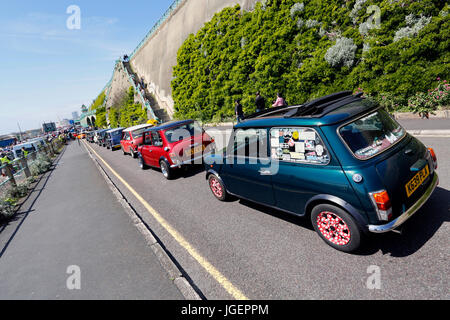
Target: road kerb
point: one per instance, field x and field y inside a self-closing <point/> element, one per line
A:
<point x="164" y="259"/>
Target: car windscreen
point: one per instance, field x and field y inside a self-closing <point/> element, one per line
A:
<point x="182" y="132"/>
<point x="372" y="134"/>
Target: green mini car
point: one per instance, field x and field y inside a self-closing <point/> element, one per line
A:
<point x="341" y="161"/>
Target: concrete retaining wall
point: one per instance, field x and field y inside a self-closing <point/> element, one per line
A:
<point x="155" y="59"/>
<point x="119" y="86"/>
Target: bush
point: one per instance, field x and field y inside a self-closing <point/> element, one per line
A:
<point x="19" y="191"/>
<point x="41" y="165"/>
<point x="334" y="48"/>
<point x="7" y="208"/>
<point x="435" y="99"/>
<point x="127" y="113"/>
<point x="100" y="117"/>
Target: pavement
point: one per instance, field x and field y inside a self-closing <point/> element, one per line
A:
<point x="72" y="230"/>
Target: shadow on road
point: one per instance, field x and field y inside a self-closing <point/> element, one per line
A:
<point x="416" y="232"/>
<point x="22" y="215"/>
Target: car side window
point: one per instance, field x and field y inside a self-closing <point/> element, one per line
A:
<point x="298" y="145"/>
<point x="156" y="138"/>
<point x="250" y="143"/>
<point x="148" y="139"/>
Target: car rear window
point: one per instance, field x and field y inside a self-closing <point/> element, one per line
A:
<point x="182" y="132"/>
<point x="372" y="134"/>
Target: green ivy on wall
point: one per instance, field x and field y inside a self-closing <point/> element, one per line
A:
<point x="128" y="113"/>
<point x="310" y="48"/>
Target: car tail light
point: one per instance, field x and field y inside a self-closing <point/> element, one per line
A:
<point x="433" y="155"/>
<point x="382" y="204"/>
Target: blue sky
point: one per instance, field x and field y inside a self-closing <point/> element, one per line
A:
<point x="47" y="70"/>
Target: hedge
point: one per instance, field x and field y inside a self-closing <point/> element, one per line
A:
<point x="306" y="49"/>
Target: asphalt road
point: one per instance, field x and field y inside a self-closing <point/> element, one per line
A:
<point x="267" y="254"/>
<point x="73" y="219"/>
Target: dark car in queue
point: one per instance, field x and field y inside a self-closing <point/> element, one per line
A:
<point x="174" y="145"/>
<point x="90" y="136"/>
<point x="342" y="161"/>
<point x="101" y="137"/>
<point x="113" y="138"/>
<point x="132" y="139"/>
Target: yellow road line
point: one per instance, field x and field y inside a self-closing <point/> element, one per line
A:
<point x="219" y="277"/>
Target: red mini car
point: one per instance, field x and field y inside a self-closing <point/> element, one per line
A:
<point x="174" y="145"/>
<point x="132" y="139"/>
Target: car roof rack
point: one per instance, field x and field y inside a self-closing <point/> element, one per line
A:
<point x="266" y="112"/>
<point x="325" y="105"/>
<point x="315" y="108"/>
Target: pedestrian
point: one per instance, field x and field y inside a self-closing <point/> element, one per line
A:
<point x="280" y="102"/>
<point x="260" y="102"/>
<point x="238" y="110"/>
<point x="24" y="152"/>
<point x="4" y="161"/>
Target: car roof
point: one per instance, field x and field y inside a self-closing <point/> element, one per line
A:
<point x="170" y="124"/>
<point x="141" y="126"/>
<point x="114" y="130"/>
<point x="327" y="110"/>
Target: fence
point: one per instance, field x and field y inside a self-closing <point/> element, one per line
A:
<point x="136" y="89"/>
<point x="18" y="171"/>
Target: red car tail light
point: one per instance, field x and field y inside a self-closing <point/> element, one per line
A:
<point x="382" y="204"/>
<point x="433" y="155"/>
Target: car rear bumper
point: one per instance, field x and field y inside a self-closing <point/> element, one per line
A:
<point x="195" y="160"/>
<point x="409" y="213"/>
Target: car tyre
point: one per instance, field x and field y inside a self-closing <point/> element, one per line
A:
<point x="165" y="169"/>
<point x="336" y="227"/>
<point x="217" y="188"/>
<point x="141" y="162"/>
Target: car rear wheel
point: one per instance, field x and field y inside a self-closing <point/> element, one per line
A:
<point x="141" y="162"/>
<point x="165" y="169"/>
<point x="217" y="188"/>
<point x="336" y="227"/>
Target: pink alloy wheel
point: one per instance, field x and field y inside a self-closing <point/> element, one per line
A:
<point x="216" y="187"/>
<point x="333" y="228"/>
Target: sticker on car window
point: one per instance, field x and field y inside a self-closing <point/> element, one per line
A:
<point x="299" y="145"/>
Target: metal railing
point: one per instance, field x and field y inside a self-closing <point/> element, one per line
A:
<point x="144" y="101"/>
<point x="161" y="20"/>
<point x="18" y="170"/>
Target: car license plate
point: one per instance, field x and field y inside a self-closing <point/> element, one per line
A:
<point x="195" y="150"/>
<point x="417" y="181"/>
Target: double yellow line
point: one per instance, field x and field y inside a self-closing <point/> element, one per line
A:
<point x="216" y="274"/>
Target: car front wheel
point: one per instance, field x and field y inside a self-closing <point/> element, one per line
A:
<point x="336" y="227"/>
<point x="217" y="188"/>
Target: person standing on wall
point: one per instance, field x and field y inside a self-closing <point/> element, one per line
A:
<point x="238" y="110"/>
<point x="280" y="102"/>
<point x="260" y="102"/>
